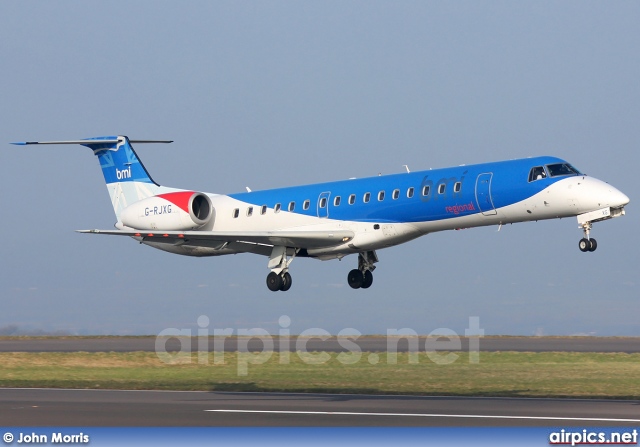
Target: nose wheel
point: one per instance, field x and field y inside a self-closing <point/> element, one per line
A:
<point x="586" y="243"/>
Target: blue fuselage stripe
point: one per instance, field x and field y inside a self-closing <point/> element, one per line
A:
<point x="509" y="184"/>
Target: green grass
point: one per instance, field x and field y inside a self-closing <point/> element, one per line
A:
<point x="549" y="374"/>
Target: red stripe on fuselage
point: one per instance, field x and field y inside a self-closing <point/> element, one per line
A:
<point x="180" y="199"/>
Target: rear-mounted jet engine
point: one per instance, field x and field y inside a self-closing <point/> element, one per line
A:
<point x="179" y="211"/>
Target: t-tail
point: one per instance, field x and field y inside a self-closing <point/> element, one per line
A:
<point x="127" y="179"/>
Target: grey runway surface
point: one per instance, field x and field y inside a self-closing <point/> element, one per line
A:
<point x="61" y="407"/>
<point x="366" y="344"/>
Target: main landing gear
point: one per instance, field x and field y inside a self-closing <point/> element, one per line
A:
<point x="362" y="278"/>
<point x="280" y="279"/>
<point x="586" y="243"/>
<point x="281" y="257"/>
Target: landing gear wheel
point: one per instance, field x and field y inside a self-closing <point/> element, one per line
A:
<point x="593" y="245"/>
<point x="355" y="279"/>
<point x="286" y="282"/>
<point x="584" y="245"/>
<point x="274" y="281"/>
<point x="368" y="280"/>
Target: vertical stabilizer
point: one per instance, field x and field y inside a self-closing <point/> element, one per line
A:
<point x="127" y="179"/>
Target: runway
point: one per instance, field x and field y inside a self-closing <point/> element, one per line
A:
<point x="366" y="344"/>
<point x="104" y="408"/>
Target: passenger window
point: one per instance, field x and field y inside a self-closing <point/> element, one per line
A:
<point x="323" y="202"/>
<point x="410" y="192"/>
<point x="396" y="194"/>
<point x="276" y="209"/>
<point x="336" y="201"/>
<point x="250" y="211"/>
<point x="263" y="210"/>
<point x="352" y="199"/>
<point x="367" y="197"/>
<point x="537" y="173"/>
<point x="380" y="196"/>
<point x="426" y="190"/>
<point x="305" y="205"/>
<point x="236" y="213"/>
<point x="457" y="187"/>
<point x="441" y="188"/>
<point x="292" y="206"/>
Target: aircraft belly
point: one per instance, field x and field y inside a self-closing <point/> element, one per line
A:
<point x="376" y="236"/>
<point x="213" y="249"/>
<point x="189" y="250"/>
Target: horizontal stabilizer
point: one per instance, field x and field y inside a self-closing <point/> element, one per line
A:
<point x="90" y="141"/>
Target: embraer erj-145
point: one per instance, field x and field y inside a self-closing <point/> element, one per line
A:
<point x="336" y="219"/>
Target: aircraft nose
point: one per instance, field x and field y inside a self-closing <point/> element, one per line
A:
<point x="596" y="194"/>
<point x="611" y="196"/>
<point x="618" y="198"/>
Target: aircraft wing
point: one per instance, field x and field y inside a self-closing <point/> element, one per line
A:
<point x="291" y="238"/>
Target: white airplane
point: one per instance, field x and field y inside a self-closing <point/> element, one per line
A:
<point x="332" y="220"/>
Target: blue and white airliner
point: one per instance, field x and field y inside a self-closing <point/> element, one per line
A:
<point x="357" y="216"/>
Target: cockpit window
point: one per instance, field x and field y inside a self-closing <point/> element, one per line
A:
<point x="537" y="173"/>
<point x="559" y="169"/>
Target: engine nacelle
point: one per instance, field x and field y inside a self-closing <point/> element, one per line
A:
<point x="176" y="211"/>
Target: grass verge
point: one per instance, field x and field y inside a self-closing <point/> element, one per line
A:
<point x="516" y="374"/>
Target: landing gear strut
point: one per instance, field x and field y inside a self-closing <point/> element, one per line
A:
<point x="587" y="243"/>
<point x="362" y="278"/>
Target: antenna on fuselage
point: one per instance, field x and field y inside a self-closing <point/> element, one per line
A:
<point x="407" y="168"/>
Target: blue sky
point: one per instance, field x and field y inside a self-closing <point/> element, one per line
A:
<point x="268" y="94"/>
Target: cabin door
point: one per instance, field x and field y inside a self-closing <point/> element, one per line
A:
<point x="483" y="194"/>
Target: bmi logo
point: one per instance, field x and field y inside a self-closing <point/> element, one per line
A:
<point x="125" y="173"/>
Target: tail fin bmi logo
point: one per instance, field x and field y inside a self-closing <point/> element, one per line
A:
<point x="125" y="173"/>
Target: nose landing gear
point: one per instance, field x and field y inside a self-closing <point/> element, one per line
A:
<point x="587" y="219"/>
<point x="586" y="243"/>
